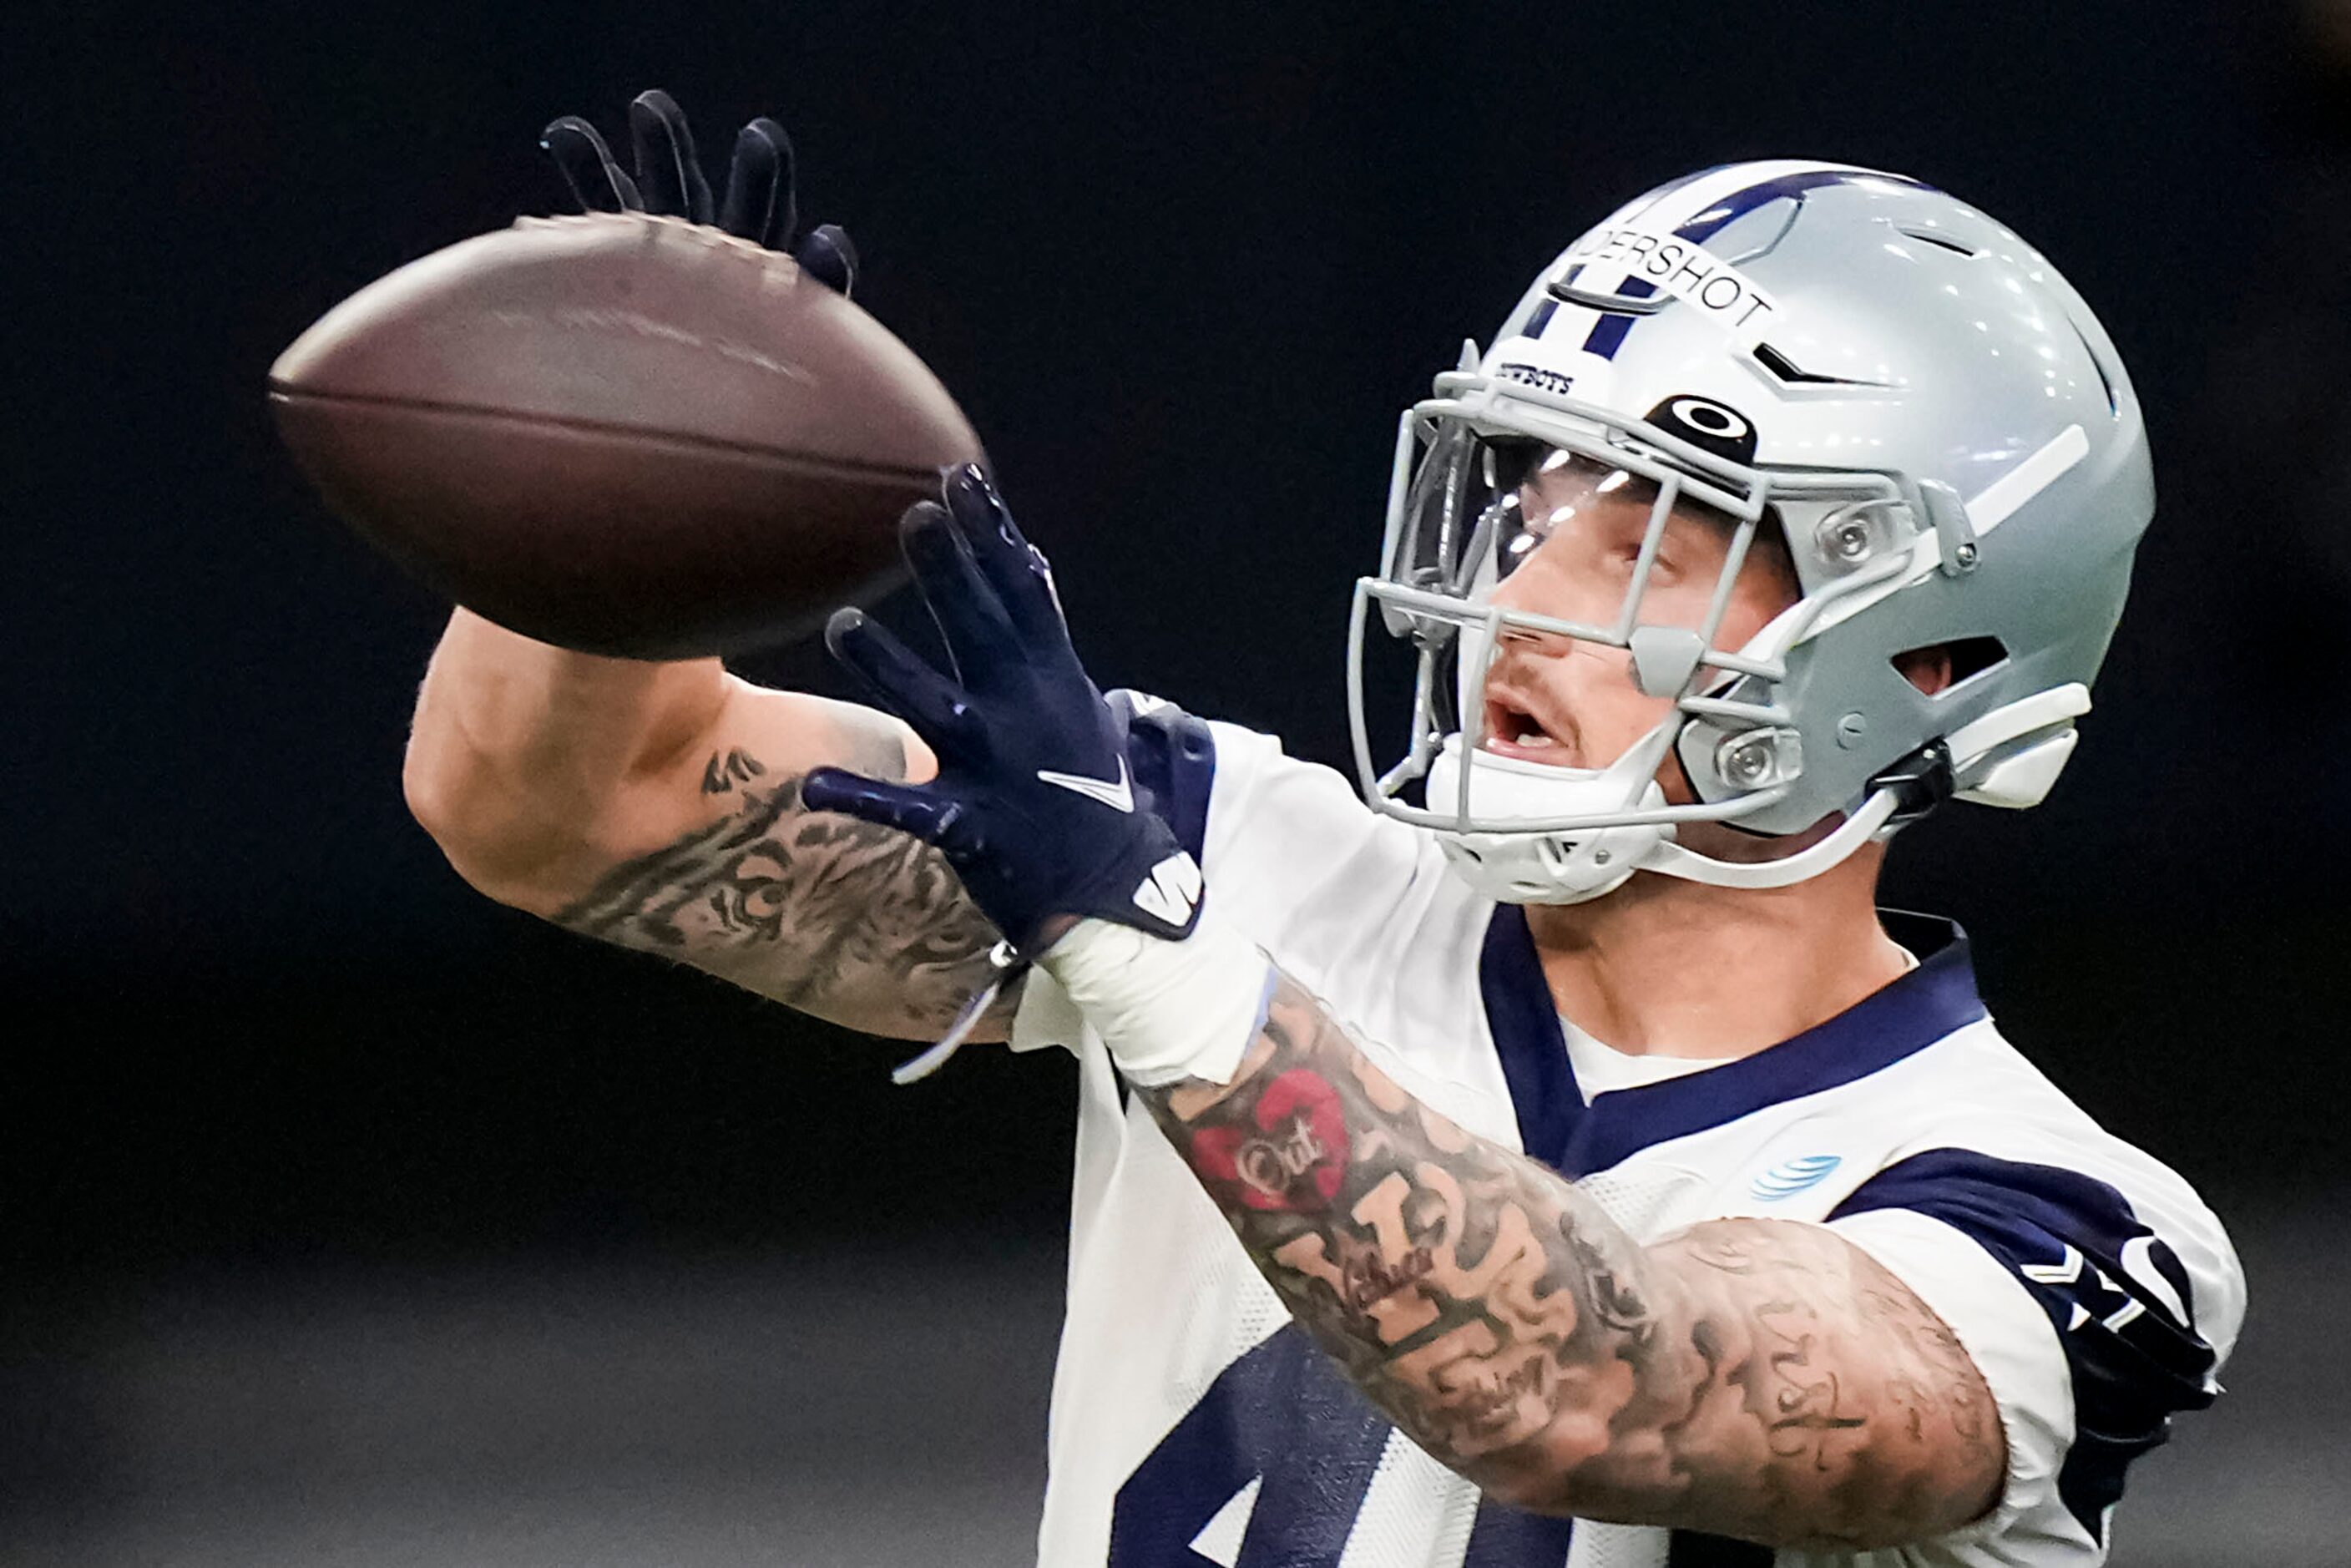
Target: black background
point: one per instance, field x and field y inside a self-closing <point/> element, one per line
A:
<point x="1181" y="267"/>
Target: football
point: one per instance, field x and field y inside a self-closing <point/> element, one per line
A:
<point x="624" y="433"/>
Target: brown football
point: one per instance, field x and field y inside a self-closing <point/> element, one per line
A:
<point x="623" y="433"/>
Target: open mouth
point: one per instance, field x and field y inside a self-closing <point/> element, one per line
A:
<point x="1513" y="730"/>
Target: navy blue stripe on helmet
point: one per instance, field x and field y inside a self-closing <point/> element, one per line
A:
<point x="1739" y="204"/>
<point x="1608" y="333"/>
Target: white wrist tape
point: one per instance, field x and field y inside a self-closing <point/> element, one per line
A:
<point x="1166" y="1009"/>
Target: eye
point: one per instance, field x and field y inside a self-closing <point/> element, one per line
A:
<point x="1622" y="545"/>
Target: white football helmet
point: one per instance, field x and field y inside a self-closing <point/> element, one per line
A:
<point x="1909" y="394"/>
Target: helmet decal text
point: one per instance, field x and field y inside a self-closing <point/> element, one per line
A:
<point x="1680" y="267"/>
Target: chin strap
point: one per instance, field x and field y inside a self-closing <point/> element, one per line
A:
<point x="1898" y="797"/>
<point x="1876" y="814"/>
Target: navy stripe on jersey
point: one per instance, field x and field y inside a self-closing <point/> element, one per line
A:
<point x="1689" y="1548"/>
<point x="1533" y="1049"/>
<point x="1172" y="756"/>
<point x="1284" y="1417"/>
<point x="2115" y="1294"/>
<point x="1557" y="1127"/>
<point x="1503" y="1537"/>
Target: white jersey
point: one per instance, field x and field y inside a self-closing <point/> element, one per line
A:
<point x="1193" y="1423"/>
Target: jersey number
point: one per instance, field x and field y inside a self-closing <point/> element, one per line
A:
<point x="1284" y="1421"/>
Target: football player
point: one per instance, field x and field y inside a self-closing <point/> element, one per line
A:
<point x="1550" y="1157"/>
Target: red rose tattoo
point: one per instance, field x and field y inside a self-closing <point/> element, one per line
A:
<point x="1288" y="1154"/>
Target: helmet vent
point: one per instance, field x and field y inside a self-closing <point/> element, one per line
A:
<point x="1788" y="370"/>
<point x="2113" y="403"/>
<point x="1941" y="242"/>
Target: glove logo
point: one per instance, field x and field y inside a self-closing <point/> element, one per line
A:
<point x="1118" y="794"/>
<point x="1172" y="891"/>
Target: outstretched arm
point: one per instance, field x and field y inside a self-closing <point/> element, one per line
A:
<point x="1747" y="1377"/>
<point x="658" y="806"/>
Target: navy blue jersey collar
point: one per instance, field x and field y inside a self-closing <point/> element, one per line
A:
<point x="1557" y="1127"/>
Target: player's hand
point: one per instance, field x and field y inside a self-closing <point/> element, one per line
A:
<point x="1033" y="805"/>
<point x="759" y="205"/>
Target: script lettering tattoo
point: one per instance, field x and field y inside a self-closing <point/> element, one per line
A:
<point x="1747" y="1377"/>
<point x="828" y="915"/>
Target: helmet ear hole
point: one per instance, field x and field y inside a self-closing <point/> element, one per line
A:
<point x="1936" y="668"/>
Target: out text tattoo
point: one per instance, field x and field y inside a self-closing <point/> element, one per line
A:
<point x="1746" y="1377"/>
<point x="831" y="915"/>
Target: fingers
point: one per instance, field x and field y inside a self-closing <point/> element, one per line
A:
<point x="979" y="636"/>
<point x="909" y="809"/>
<point x="595" y="180"/>
<point x="759" y="201"/>
<point x="827" y="256"/>
<point x="904" y="683"/>
<point x="1013" y="568"/>
<point x="759" y="204"/>
<point x="669" y="175"/>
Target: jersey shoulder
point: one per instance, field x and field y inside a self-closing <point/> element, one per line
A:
<point x="1970" y="1133"/>
<point x="1991" y="1124"/>
<point x="2134" y="1276"/>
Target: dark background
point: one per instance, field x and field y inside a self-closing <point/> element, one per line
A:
<point x="349" y="1218"/>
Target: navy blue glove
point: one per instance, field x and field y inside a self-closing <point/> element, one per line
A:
<point x="759" y="204"/>
<point x="1033" y="806"/>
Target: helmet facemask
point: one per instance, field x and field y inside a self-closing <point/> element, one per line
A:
<point x="1886" y="373"/>
<point x="1470" y="468"/>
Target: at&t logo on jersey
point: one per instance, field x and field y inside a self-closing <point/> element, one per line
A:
<point x="1789" y="1177"/>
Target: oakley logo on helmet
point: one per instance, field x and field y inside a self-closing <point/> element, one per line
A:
<point x="1709" y="425"/>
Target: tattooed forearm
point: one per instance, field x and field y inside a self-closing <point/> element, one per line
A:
<point x="828" y="915"/>
<point x="1747" y="1377"/>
